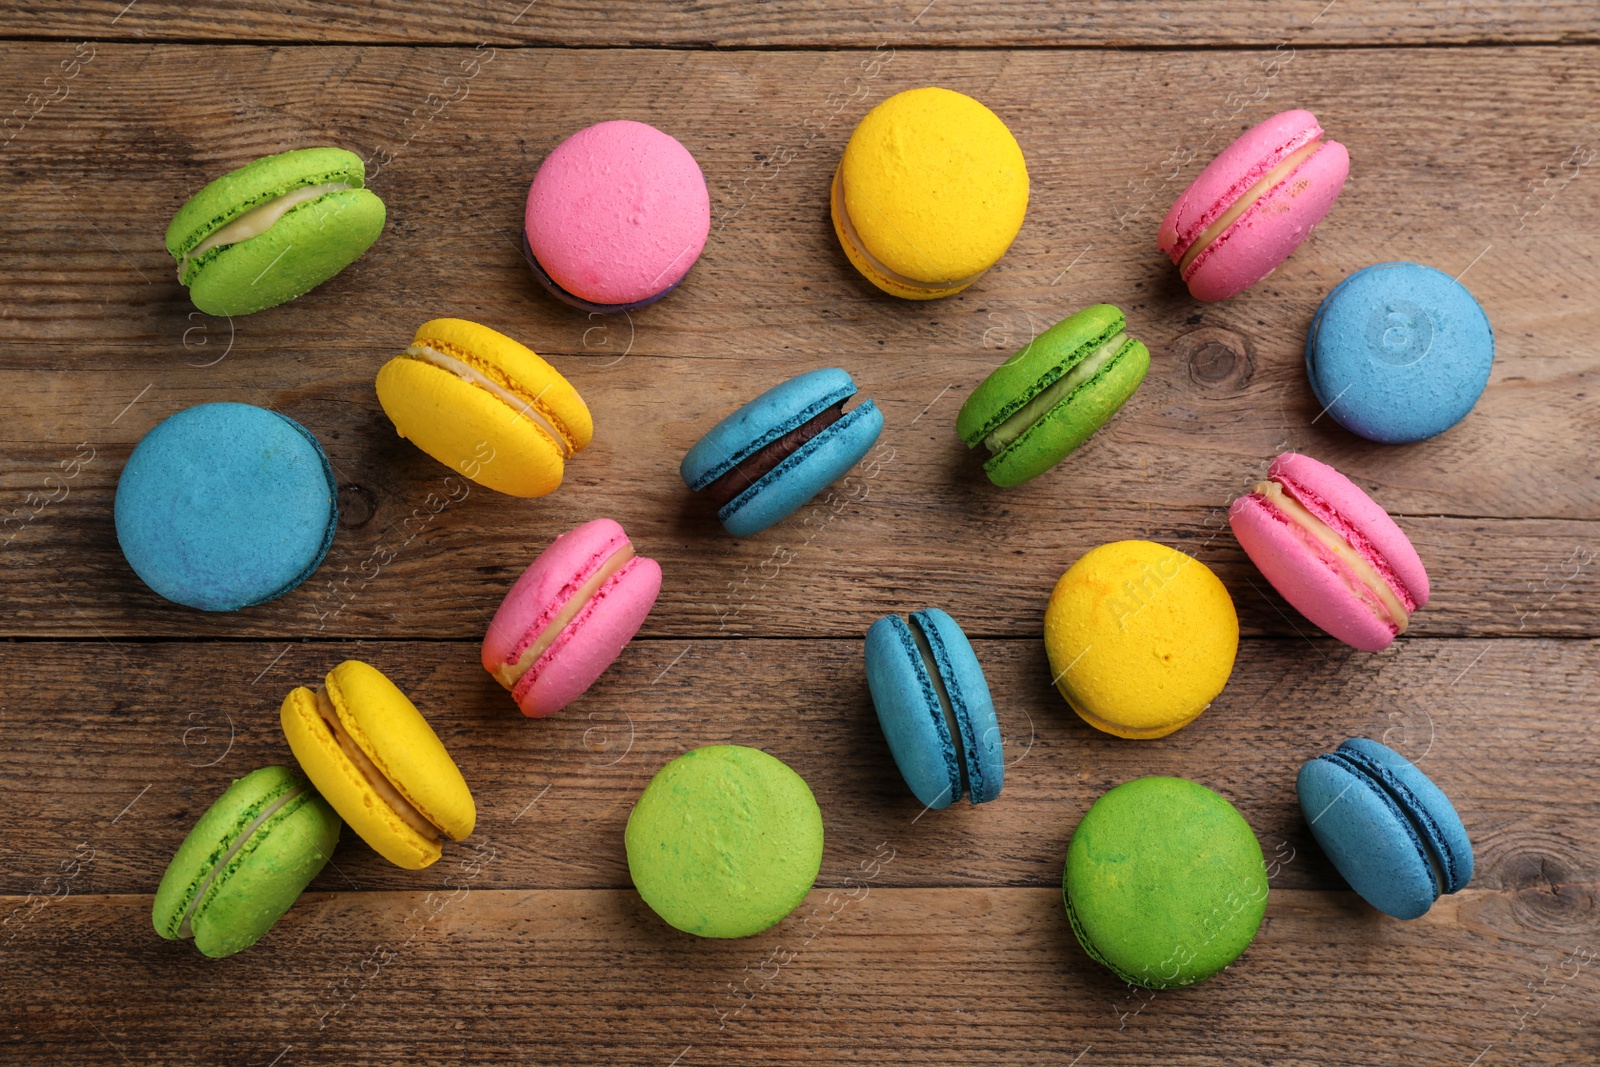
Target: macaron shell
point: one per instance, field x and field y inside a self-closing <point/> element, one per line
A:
<point x="344" y="787"/>
<point x="1303" y="574"/>
<point x="547" y="584"/>
<point x="981" y="743"/>
<point x="1368" y="838"/>
<point x="725" y="841"/>
<point x="394" y="735"/>
<point x="267" y="875"/>
<point x="242" y="190"/>
<point x="910" y="714"/>
<point x="223" y="506"/>
<point x="308" y="245"/>
<point x="592" y="641"/>
<point x="1141" y="638"/>
<point x="1164" y="882"/>
<point x="518" y="366"/>
<point x="1073" y="421"/>
<point x="810" y="469"/>
<point x="865" y="267"/>
<point x="1399" y="352"/>
<point x="1231" y="174"/>
<point x="618" y="213"/>
<point x="935" y="185"/>
<point x="1427" y="805"/>
<point x="1270" y="229"/>
<point x="761" y="421"/>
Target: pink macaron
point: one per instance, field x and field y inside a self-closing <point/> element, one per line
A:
<point x="569" y="616"/>
<point x="617" y="214"/>
<point x="1331" y="551"/>
<point x="1253" y="205"/>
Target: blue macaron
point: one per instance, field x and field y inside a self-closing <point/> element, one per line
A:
<point x="934" y="706"/>
<point x="1392" y="833"/>
<point x="1399" y="352"/>
<point x="222" y="506"/>
<point x="767" y="459"/>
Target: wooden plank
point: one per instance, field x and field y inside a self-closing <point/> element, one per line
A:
<point x="463" y="974"/>
<point x="773" y="297"/>
<point x="1504" y="726"/>
<point x="825" y="23"/>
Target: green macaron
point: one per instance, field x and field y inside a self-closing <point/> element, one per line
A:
<point x="1164" y="883"/>
<point x="1052" y="396"/>
<point x="725" y="841"/>
<point x="270" y="231"/>
<point x="245" y="862"/>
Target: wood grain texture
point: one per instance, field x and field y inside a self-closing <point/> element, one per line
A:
<point x="931" y="939"/>
<point x="824" y="23"/>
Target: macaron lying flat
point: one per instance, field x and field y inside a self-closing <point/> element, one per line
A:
<point x="1164" y="883"/>
<point x="1050" y="397"/>
<point x="760" y="464"/>
<point x="1253" y="205"/>
<point x="378" y="762"/>
<point x="245" y="862"/>
<point x="273" y="230"/>
<point x="569" y="616"/>
<point x="479" y="402"/>
<point x="1331" y="551"/>
<point x="935" y="709"/>
<point x="617" y="214"/>
<point x="1392" y="833"/>
<point x="929" y="194"/>
<point x="222" y="506"/>
<point x="725" y="841"/>
<point x="1399" y="352"/>
<point x="1141" y="638"/>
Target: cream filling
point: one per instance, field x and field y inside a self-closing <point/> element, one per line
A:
<point x="1245" y="202"/>
<point x="468" y="373"/>
<point x="257" y="221"/>
<point x="185" y="928"/>
<point x="848" y="225"/>
<point x="1058" y="390"/>
<point x="508" y="674"/>
<point x="931" y="665"/>
<point x="381" y="785"/>
<point x="1365" y="572"/>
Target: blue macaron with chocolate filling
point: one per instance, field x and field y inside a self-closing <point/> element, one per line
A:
<point x="935" y="709"/>
<point x="766" y="460"/>
<point x="1392" y="833"/>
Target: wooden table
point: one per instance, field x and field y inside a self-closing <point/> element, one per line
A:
<point x="935" y="940"/>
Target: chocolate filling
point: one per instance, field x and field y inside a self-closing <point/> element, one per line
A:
<point x="754" y="467"/>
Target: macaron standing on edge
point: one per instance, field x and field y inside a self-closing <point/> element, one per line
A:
<point x="1165" y="884"/>
<point x="929" y="194"/>
<point x="934" y="706"/>
<point x="224" y="506"/>
<point x="1391" y="832"/>
<point x="1049" y="398"/>
<point x="1253" y="205"/>
<point x="616" y="216"/>
<point x="1399" y="352"/>
<point x="1331" y="551"/>
<point x="725" y="841"/>
<point x="273" y="230"/>
<point x="767" y="459"/>
<point x="569" y="615"/>
<point x="374" y="757"/>
<point x="1141" y="638"/>
<point x="245" y="862"/>
<point x="485" y="405"/>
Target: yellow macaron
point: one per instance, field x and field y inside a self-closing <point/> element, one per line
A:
<point x="477" y="401"/>
<point x="929" y="194"/>
<point x="373" y="756"/>
<point x="1141" y="638"/>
